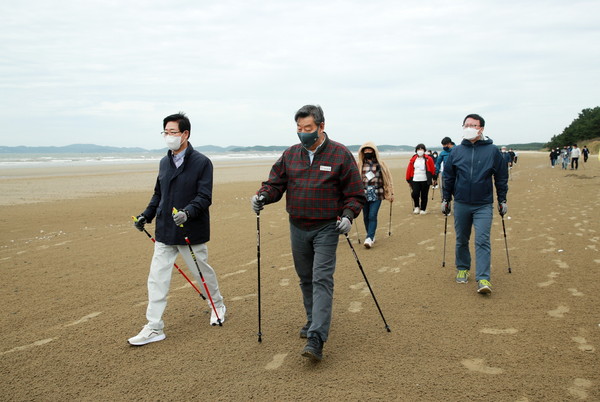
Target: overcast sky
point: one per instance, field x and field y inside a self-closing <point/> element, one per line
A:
<point x="394" y="72"/>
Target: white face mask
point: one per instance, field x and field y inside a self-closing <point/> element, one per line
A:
<point x="420" y="152"/>
<point x="470" y="133"/>
<point x="173" y="142"/>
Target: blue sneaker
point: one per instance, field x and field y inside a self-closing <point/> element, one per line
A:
<point x="462" y="276"/>
<point x="484" y="286"/>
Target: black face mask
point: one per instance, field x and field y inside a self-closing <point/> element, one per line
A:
<point x="369" y="156"/>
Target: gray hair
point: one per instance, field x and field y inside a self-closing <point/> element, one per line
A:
<point x="311" y="110"/>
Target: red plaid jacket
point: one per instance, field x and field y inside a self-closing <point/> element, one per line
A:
<point x="316" y="193"/>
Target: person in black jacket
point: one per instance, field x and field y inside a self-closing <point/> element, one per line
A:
<point x="185" y="179"/>
<point x="467" y="178"/>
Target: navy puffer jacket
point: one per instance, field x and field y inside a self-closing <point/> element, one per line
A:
<point x="189" y="188"/>
<point x="468" y="173"/>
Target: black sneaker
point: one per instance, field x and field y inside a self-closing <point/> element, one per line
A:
<point x="313" y="348"/>
<point x="304" y="330"/>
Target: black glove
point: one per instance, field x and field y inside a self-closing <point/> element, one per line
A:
<point x="446" y="207"/>
<point x="139" y="222"/>
<point x="502" y="208"/>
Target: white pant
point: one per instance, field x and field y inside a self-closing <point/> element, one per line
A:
<point x="161" y="270"/>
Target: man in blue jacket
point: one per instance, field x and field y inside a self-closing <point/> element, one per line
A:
<point x="185" y="179"/>
<point x="467" y="176"/>
<point x="447" y="146"/>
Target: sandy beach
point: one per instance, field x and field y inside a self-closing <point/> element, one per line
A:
<point x="73" y="272"/>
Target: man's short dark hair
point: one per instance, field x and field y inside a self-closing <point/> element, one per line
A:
<point x="446" y="140"/>
<point x="311" y="110"/>
<point x="475" y="117"/>
<point x="182" y="121"/>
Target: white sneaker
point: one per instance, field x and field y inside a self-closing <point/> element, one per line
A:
<point x="416" y="211"/>
<point x="368" y="243"/>
<point x="213" y="317"/>
<point x="423" y="212"/>
<point x="147" y="335"/>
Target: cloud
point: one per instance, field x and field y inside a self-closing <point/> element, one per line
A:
<point x="391" y="72"/>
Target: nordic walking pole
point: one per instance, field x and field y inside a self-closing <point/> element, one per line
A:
<point x="432" y="192"/>
<point x="187" y="240"/>
<point x="258" y="262"/>
<point x="357" y="235"/>
<point x="390" y="223"/>
<point x="445" y="231"/>
<point x="175" y="265"/>
<point x="506" y="244"/>
<point x="366" y="280"/>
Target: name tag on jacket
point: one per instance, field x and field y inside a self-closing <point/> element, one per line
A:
<point x="325" y="168"/>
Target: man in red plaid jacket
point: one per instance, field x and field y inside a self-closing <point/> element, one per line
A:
<point x="324" y="194"/>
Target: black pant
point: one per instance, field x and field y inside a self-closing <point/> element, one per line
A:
<point x="575" y="162"/>
<point x="420" y="191"/>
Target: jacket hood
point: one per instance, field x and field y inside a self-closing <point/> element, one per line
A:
<point x="367" y="144"/>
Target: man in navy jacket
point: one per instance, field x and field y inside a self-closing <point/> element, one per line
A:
<point x="467" y="177"/>
<point x="184" y="182"/>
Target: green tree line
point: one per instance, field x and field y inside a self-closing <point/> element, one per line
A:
<point x="584" y="128"/>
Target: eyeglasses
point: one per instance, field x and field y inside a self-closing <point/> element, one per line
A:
<point x="170" y="133"/>
<point x="471" y="126"/>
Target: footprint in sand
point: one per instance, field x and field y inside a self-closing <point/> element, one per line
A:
<point x="575" y="292"/>
<point x="389" y="269"/>
<point x="479" y="365"/>
<point x="286" y="267"/>
<point x="355" y="307"/>
<point x="401" y="257"/>
<point x="424" y="242"/>
<point x="362" y="286"/>
<point x="559" y="312"/>
<point x="552" y="276"/>
<point x="496" y="331"/>
<point x="284" y="282"/>
<point x="561" y="264"/>
<point x="248" y="296"/>
<point x="276" y="362"/>
<point x="579" y="388"/>
<point x="583" y="345"/>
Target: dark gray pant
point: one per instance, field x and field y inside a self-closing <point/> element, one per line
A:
<point x="314" y="253"/>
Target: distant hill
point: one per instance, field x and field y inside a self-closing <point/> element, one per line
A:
<point x="68" y="149"/>
<point x="531" y="146"/>
<point x="100" y="149"/>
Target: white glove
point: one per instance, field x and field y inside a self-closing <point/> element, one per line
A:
<point x="344" y="225"/>
<point x="180" y="217"/>
<point x="502" y="208"/>
<point x="258" y="203"/>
